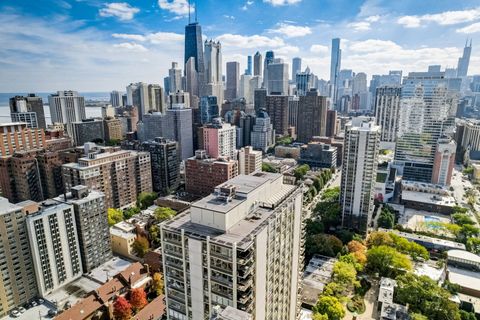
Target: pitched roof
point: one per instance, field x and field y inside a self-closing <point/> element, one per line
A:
<point x="152" y="311"/>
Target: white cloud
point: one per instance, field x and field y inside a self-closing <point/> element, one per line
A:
<point x="246" y="5"/>
<point x="132" y="46"/>
<point x="287" y="50"/>
<point x="178" y="7"/>
<point x="121" y="10"/>
<point x="318" y="48"/>
<point x="291" y="31"/>
<point x="373" y="45"/>
<point x="155" y="38"/>
<point x="374" y="18"/>
<point x="473" y="28"/>
<point x="229" y="17"/>
<point x="443" y="18"/>
<point x="276" y="3"/>
<point x="249" y="42"/>
<point x="359" y="26"/>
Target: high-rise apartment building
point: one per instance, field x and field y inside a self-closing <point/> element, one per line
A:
<point x="146" y="97"/>
<point x="241" y="247"/>
<point x="165" y="163"/>
<point x="249" y="160"/>
<point x="92" y="225"/>
<point x="387" y="111"/>
<point x="260" y="99"/>
<point x="17" y="275"/>
<point x="263" y="134"/>
<point x="296" y="66"/>
<point x="203" y="174"/>
<point x="28" y="109"/>
<point x="112" y="129"/>
<point x="335" y="66"/>
<point x="88" y="130"/>
<point x="293" y="105"/>
<point x="332" y="119"/>
<point x="444" y="161"/>
<point x="55" y="249"/>
<point x="219" y="139"/>
<point x="304" y="81"/>
<point x="257" y="64"/>
<point x="312" y="116"/>
<point x="246" y="126"/>
<point x="359" y="92"/>
<point x="277" y="109"/>
<point x="18" y="137"/>
<point x="470" y="139"/>
<point x="120" y="174"/>
<point x="213" y="85"/>
<point x="67" y="107"/>
<point x="359" y="172"/>
<point x="269" y="57"/>
<point x="427" y="113"/>
<point x="151" y="126"/>
<point x="209" y="109"/>
<point x="233" y="78"/>
<point x="178" y="127"/>
<point x="116" y="98"/>
<point x="277" y="78"/>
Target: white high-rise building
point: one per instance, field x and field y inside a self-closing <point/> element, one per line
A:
<point x="53" y="236"/>
<point x="175" y="74"/>
<point x="178" y="126"/>
<point x="387" y="111"/>
<point x="359" y="172"/>
<point x="67" y="107"/>
<point x="146" y="97"/>
<point x="191" y="78"/>
<point x="263" y="134"/>
<point x="213" y="70"/>
<point x="241" y="246"/>
<point x="249" y="160"/>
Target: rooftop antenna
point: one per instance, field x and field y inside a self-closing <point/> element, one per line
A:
<point x="188" y="11"/>
<point x="195" y="8"/>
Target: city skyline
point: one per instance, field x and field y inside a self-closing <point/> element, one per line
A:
<point x="100" y="46"/>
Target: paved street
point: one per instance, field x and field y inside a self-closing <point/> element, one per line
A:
<point x="334" y="182"/>
<point x="460" y="184"/>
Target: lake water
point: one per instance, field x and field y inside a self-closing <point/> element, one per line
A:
<point x="91" y="112"/>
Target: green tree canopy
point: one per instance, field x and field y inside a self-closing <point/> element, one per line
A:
<point x="146" y="199"/>
<point x="114" y="216"/>
<point x="164" y="213"/>
<point x="331" y="307"/>
<point x="140" y="246"/>
<point x="267" y="167"/>
<point x="387" y="261"/>
<point x="324" y="244"/>
<point x="301" y="171"/>
<point x="386" y="219"/>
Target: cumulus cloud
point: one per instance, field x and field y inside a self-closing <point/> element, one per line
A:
<point x="473" y="28"/>
<point x="121" y="10"/>
<point x="246" y="5"/>
<point x="359" y="26"/>
<point x="177" y="7"/>
<point x="287" y="50"/>
<point x="373" y="45"/>
<point x="155" y="38"/>
<point x="291" y="31"/>
<point x="444" y="18"/>
<point x="132" y="46"/>
<point x="276" y="3"/>
<point x="249" y="42"/>
<point x="318" y="48"/>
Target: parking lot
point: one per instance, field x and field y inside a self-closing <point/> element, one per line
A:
<point x="40" y="311"/>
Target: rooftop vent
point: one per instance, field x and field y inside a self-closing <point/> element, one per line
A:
<point x="225" y="193"/>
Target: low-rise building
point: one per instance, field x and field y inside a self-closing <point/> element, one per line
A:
<point x="427" y="197"/>
<point x="316" y="276"/>
<point x="122" y="237"/>
<point x="290" y="151"/>
<point x="318" y="155"/>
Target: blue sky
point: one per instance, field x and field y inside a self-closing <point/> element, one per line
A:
<point x="95" y="45"/>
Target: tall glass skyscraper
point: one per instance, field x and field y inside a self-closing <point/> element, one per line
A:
<point x="427" y="112"/>
<point x="194" y="45"/>
<point x="335" y="65"/>
<point x="464" y="61"/>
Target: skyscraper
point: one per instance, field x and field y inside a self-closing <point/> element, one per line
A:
<point x="304" y="81"/>
<point x="213" y="85"/>
<point x="277" y="109"/>
<point x="359" y="92"/>
<point x="427" y="112"/>
<point x="194" y="46"/>
<point x="28" y="109"/>
<point x="387" y="111"/>
<point x="175" y="82"/>
<point x="464" y="61"/>
<point x="233" y="78"/>
<point x="248" y="71"/>
<point x="312" y="116"/>
<point x="208" y="109"/>
<point x="116" y="99"/>
<point x="244" y="250"/>
<point x="17" y="275"/>
<point x="257" y="64"/>
<point x="146" y="97"/>
<point x="67" y="107"/>
<point x="359" y="171"/>
<point x="277" y="78"/>
<point x="444" y="161"/>
<point x="191" y="78"/>
<point x="296" y="66"/>
<point x="335" y="65"/>
<point x="165" y="164"/>
<point x="178" y="127"/>
<point x="269" y="57"/>
<point x="262" y="135"/>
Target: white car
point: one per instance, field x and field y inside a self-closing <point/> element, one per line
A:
<point x="14" y="313"/>
<point x="21" y="309"/>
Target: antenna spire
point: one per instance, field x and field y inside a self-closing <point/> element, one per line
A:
<point x="188" y="11"/>
<point x="195" y="8"/>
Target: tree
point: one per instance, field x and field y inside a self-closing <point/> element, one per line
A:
<point x="301" y="171"/>
<point x="468" y="231"/>
<point x="164" y="213"/>
<point x="154" y="232"/>
<point x="140" y="246"/>
<point x="344" y="273"/>
<point x="318" y="316"/>
<point x="129" y="212"/>
<point x="411" y="248"/>
<point x="114" y="216"/>
<point x="464" y="315"/>
<point x="462" y="219"/>
<point x="138" y="299"/>
<point x="323" y="244"/>
<point x="157" y="285"/>
<point x="355" y="246"/>
<point x="387" y="261"/>
<point x="379" y="238"/>
<point x="267" y="167"/>
<point x="424" y="296"/>
<point x="473" y="245"/>
<point x="318" y="183"/>
<point x="331" y="194"/>
<point x="122" y="310"/>
<point x="418" y="316"/>
<point x="331" y="307"/>
<point x="313" y="227"/>
<point x="386" y="219"/>
<point x="146" y="199"/>
<point x="329" y="213"/>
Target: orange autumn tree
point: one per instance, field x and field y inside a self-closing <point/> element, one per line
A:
<point x="138" y="298"/>
<point x="122" y="310"/>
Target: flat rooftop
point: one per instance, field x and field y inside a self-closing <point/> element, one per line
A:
<point x="72" y="292"/>
<point x="430" y="198"/>
<point x="437" y="241"/>
<point x="7" y="207"/>
<point x="316" y="275"/>
<point x="464" y="278"/>
<point x="110" y="268"/>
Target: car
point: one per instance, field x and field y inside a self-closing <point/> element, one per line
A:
<point x="21" y="309"/>
<point x="34" y="303"/>
<point x="52" y="313"/>
<point x="14" y="313"/>
<point x="40" y="301"/>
